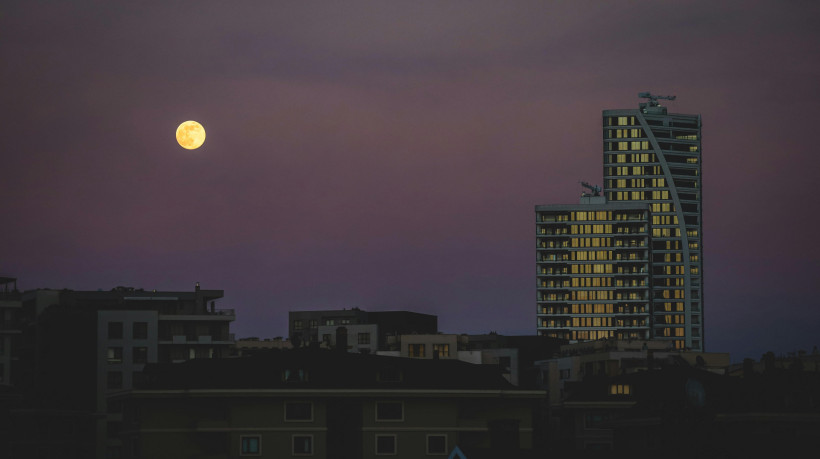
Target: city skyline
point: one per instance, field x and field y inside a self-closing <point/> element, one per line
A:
<point x="389" y="157"/>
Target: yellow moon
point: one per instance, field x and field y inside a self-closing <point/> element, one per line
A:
<point x="190" y="135"/>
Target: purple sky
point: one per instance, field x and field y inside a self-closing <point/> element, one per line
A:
<point x="388" y="154"/>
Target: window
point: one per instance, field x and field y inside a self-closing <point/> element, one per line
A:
<point x="619" y="389"/>
<point x="297" y="324"/>
<point x="114" y="355"/>
<point x="303" y="445"/>
<point x="114" y="330"/>
<point x="415" y="350"/>
<point x="298" y="411"/>
<point x="437" y="444"/>
<point x="594" y="420"/>
<point x="139" y="354"/>
<point x="364" y="338"/>
<point x="295" y="375"/>
<point x="441" y="350"/>
<point x="114" y="380"/>
<point x="385" y="444"/>
<point x="389" y="374"/>
<point x="140" y="330"/>
<point x="314" y="323"/>
<point x="250" y="446"/>
<point x="389" y="411"/>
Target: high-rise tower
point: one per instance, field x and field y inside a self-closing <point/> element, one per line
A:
<point x="654" y="157"/>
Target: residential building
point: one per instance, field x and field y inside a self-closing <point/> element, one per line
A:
<point x="10" y="328"/>
<point x="325" y="404"/>
<point x="593" y="275"/>
<point x="612" y="357"/>
<point x="514" y="356"/>
<point x="113" y="335"/>
<point x="432" y="346"/>
<point x="594" y="384"/>
<point x="627" y="262"/>
<point x="252" y="345"/>
<point x="363" y="338"/>
<point x="303" y="326"/>
<point x="654" y="157"/>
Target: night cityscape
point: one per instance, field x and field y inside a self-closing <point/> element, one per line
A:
<point x="409" y="229"/>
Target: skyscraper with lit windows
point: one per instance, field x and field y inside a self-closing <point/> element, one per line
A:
<point x="652" y="159"/>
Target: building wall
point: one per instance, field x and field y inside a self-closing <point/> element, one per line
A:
<point x="173" y="424"/>
<point x="9" y="336"/>
<point x="430" y="346"/>
<point x="367" y="342"/>
<point x="304" y="325"/>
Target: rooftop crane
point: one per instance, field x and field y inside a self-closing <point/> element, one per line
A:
<point x="653" y="98"/>
<point x="595" y="189"/>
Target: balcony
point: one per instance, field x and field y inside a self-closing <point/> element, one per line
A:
<point x="221" y="339"/>
<point x="215" y="315"/>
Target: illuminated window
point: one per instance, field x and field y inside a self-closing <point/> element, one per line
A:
<point x="302" y="445"/>
<point x="114" y="355"/>
<point x="442" y="350"/>
<point x="620" y="389"/>
<point x="295" y="375"/>
<point x="250" y="445"/>
<point x="415" y="350"/>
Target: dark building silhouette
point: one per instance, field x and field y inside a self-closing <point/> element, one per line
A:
<point x="326" y="404"/>
<point x="304" y="326"/>
<point x="78" y="347"/>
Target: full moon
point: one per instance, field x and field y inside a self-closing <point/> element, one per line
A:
<point x="190" y="135"/>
